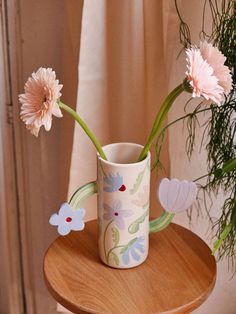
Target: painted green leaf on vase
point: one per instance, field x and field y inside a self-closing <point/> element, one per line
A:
<point x="138" y="182"/>
<point x="134" y="227"/>
<point x="139" y="179"/>
<point x="115" y="258"/>
<point x="115" y="236"/>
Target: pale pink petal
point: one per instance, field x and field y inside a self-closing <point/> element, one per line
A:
<point x="33" y="129"/>
<point x="39" y="103"/>
<point x="216" y="60"/>
<point x="207" y="74"/>
<point x="57" y="112"/>
<point x="47" y="122"/>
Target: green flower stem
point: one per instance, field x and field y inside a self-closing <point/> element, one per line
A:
<point x="161" y="115"/>
<point x="84" y="127"/>
<point x="111" y="250"/>
<point x="104" y="239"/>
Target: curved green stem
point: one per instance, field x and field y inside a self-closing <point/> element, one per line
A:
<point x="161" y="222"/>
<point x="161" y="115"/>
<point x="104" y="239"/>
<point x="112" y="249"/>
<point x="84" y="126"/>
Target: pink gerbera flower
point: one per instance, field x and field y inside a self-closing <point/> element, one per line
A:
<point x="207" y="74"/>
<point x="39" y="102"/>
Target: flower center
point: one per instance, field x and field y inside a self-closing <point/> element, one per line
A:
<point x="45" y="104"/>
<point x="68" y="219"/>
<point x="46" y="100"/>
<point x="122" y="188"/>
<point x="116" y="214"/>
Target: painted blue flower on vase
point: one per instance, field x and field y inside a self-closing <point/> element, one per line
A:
<point x="133" y="249"/>
<point x="116" y="214"/>
<point x="114" y="183"/>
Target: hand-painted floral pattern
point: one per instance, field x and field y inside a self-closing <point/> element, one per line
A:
<point x="139" y="179"/>
<point x="142" y="199"/>
<point x="114" y="183"/>
<point x="116" y="214"/>
<point x="135" y="225"/>
<point x="68" y="219"/>
<point x="134" y="248"/>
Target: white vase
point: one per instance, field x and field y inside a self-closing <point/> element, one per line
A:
<point x="123" y="188"/>
<point x="123" y="205"/>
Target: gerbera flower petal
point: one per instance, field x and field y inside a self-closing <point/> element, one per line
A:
<point x="33" y="129"/>
<point x="56" y="111"/>
<point x="207" y="74"/>
<point x="216" y="60"/>
<point x="39" y="102"/>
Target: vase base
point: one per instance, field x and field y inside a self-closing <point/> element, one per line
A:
<point x="124" y="266"/>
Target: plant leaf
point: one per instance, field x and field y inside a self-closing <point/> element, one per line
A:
<point x="138" y="182"/>
<point x="139" y="179"/>
<point x="115" y="258"/>
<point x="115" y="236"/>
<point x="134" y="227"/>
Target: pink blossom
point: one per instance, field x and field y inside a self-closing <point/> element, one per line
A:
<point x="39" y="102"/>
<point x="207" y="74"/>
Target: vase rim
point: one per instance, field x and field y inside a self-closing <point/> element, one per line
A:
<point x="132" y="164"/>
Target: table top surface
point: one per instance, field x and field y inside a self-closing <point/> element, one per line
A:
<point x="177" y="276"/>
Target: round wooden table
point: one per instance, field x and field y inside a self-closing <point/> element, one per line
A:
<point x="177" y="276"/>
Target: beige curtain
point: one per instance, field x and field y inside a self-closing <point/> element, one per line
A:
<point x="121" y="80"/>
<point x="126" y="51"/>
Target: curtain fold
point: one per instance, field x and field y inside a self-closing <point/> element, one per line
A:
<point x="70" y="78"/>
<point x="121" y="81"/>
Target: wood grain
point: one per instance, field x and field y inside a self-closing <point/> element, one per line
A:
<point x="177" y="277"/>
